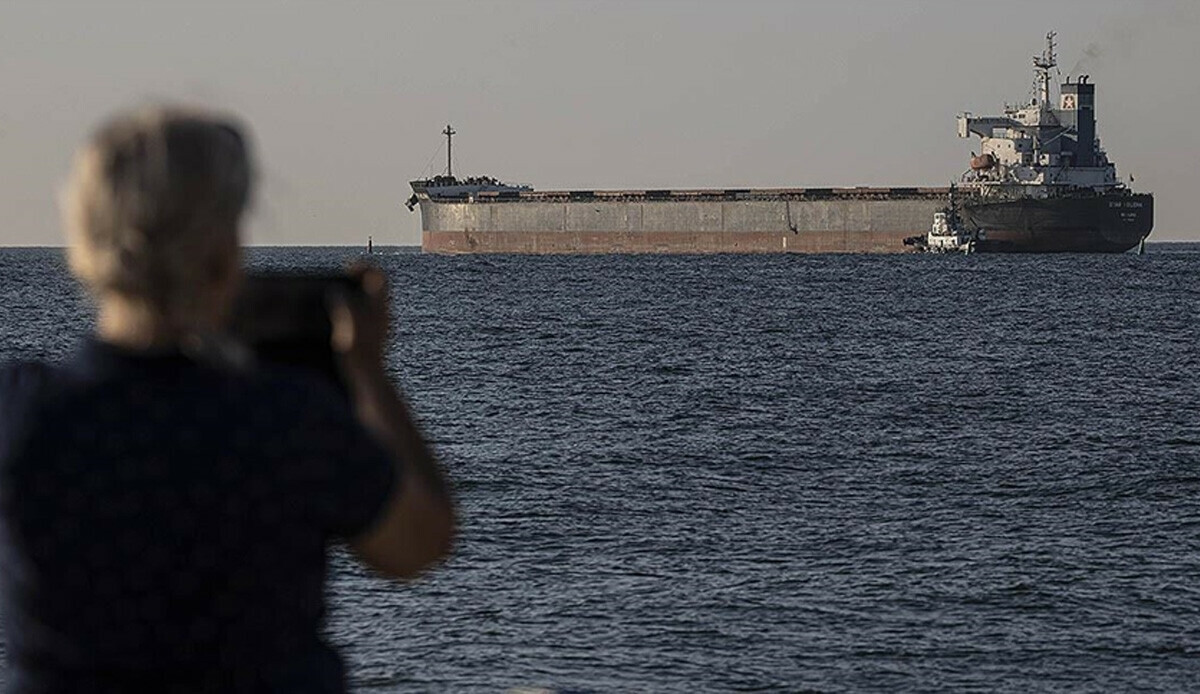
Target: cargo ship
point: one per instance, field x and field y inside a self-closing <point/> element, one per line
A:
<point x="1041" y="183"/>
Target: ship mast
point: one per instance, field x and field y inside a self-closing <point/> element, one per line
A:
<point x="1042" y="64"/>
<point x="449" y="132"/>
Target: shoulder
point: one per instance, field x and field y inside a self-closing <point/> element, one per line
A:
<point x="26" y="389"/>
<point x="15" y="374"/>
<point x="22" y="380"/>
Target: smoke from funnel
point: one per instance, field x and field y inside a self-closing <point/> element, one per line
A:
<point x="1118" y="43"/>
<point x="1091" y="53"/>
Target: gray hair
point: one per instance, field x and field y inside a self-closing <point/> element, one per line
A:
<point x="153" y="207"/>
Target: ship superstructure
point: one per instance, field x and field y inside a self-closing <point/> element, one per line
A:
<point x="1043" y="182"/>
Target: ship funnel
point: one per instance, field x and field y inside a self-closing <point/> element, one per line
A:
<point x="1077" y="111"/>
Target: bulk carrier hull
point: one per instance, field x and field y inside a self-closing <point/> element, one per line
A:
<point x="1112" y="223"/>
<point x="839" y="220"/>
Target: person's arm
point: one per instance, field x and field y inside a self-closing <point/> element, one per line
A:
<point x="417" y="525"/>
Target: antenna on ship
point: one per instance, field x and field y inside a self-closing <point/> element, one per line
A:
<point x="449" y="132"/>
<point x="1042" y="64"/>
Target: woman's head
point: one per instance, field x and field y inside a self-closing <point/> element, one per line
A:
<point x="153" y="209"/>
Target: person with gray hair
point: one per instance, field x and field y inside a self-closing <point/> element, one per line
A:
<point x="165" y="513"/>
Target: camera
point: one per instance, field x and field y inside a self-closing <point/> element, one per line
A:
<point x="284" y="319"/>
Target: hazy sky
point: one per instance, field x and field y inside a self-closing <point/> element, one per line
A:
<point x="346" y="100"/>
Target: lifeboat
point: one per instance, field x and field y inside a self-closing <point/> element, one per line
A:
<point x="983" y="162"/>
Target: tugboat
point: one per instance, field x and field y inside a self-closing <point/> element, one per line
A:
<point x="1042" y="182"/>
<point x="948" y="234"/>
<point x="448" y="187"/>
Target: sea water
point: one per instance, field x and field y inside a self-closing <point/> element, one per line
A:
<point x="832" y="473"/>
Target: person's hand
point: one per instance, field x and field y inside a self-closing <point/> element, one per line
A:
<point x="417" y="529"/>
<point x="360" y="324"/>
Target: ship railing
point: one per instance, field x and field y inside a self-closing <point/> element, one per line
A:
<point x="701" y="195"/>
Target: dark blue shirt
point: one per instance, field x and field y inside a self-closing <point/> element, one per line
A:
<point x="164" y="523"/>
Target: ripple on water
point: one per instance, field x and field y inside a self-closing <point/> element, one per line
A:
<point x="778" y="473"/>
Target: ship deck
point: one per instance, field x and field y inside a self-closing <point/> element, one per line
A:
<point x="698" y="195"/>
